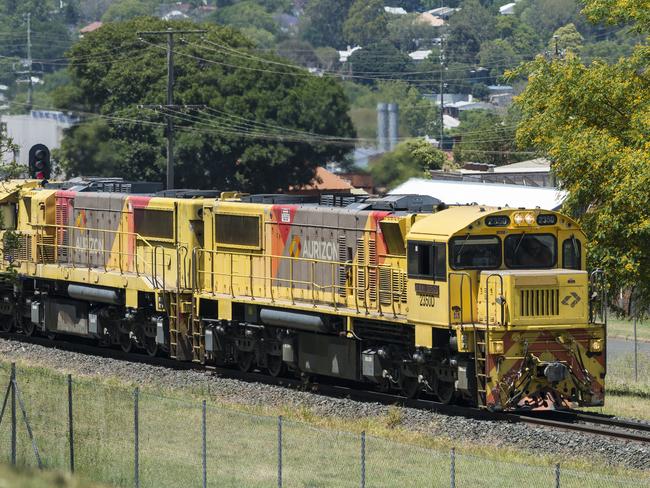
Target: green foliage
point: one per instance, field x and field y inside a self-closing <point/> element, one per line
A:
<point x="367" y="23"/>
<point x="328" y="57"/>
<point x="411" y="158"/>
<point x="404" y="31"/>
<point x="568" y="39"/>
<point x="129" y="9"/>
<point x="298" y="52"/>
<point x="322" y="22"/>
<point x="486" y="137"/>
<point x="594" y="123"/>
<point x="546" y="16"/>
<point x="468" y="28"/>
<point x="212" y="150"/>
<point x="247" y="14"/>
<point x="379" y="60"/>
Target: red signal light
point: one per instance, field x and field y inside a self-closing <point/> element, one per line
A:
<point x="40" y="175"/>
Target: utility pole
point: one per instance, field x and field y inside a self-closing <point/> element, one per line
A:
<point x="442" y="90"/>
<point x="27" y="64"/>
<point x="170" y="94"/>
<point x="30" y="86"/>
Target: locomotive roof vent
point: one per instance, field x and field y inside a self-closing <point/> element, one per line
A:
<point x="106" y="185"/>
<point x="399" y="203"/>
<point x="186" y="193"/>
<point x="279" y="199"/>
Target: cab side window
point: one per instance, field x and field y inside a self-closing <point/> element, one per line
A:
<point x="571" y="254"/>
<point x="427" y="260"/>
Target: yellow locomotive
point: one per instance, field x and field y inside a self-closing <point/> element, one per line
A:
<point x="487" y="306"/>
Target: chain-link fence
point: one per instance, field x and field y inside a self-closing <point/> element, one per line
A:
<point x="132" y="438"/>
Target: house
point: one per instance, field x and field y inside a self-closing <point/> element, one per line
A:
<point x="507" y="9"/>
<point x="324" y="182"/>
<point x="93" y="26"/>
<point x="344" y="55"/>
<point x="420" y="55"/>
<point x="534" y="172"/>
<point x="395" y="10"/>
<point x="491" y="194"/>
<point x="430" y="19"/>
<point x="443" y="12"/>
<point x="38" y="127"/>
<point x="175" y="15"/>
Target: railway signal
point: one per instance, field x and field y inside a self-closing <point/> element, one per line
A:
<point x="39" y="162"/>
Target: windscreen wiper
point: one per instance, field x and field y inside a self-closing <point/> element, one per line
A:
<point x="460" y="251"/>
<point x="514" y="253"/>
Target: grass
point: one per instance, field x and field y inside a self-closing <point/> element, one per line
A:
<point x="15" y="478"/>
<point x="242" y="443"/>
<point x="624" y="329"/>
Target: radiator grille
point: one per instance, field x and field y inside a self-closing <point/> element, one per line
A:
<point x="539" y="303"/>
<point x="361" y="268"/>
<point x="372" y="270"/>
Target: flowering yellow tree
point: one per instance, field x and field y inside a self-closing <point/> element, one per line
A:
<point x="594" y="124"/>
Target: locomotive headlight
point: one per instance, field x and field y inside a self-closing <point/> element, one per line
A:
<point x="518" y="218"/>
<point x="529" y="218"/>
<point x="596" y="345"/>
<point x="496" y="347"/>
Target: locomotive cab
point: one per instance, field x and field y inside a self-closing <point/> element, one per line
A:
<point x="512" y="289"/>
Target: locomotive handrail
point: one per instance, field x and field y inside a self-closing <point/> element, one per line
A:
<point x="317" y="292"/>
<point x="138" y="260"/>
<point x="462" y="274"/>
<point x="487" y="305"/>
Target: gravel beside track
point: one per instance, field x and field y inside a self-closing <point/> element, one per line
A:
<point x="540" y="440"/>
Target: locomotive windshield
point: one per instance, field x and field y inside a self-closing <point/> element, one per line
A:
<point x="475" y="252"/>
<point x="530" y="251"/>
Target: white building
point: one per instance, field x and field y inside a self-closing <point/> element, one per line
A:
<point x="39" y="127"/>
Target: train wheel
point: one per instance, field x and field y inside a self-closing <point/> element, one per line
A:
<point x="126" y="344"/>
<point x="151" y="346"/>
<point x="411" y="387"/>
<point x="445" y="391"/>
<point x="28" y="327"/>
<point x="7" y="323"/>
<point x="245" y="361"/>
<point x="275" y="365"/>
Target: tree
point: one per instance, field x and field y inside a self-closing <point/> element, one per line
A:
<point x="328" y="57"/>
<point x="381" y="60"/>
<point x="405" y="32"/>
<point x="486" y="137"/>
<point x="246" y="14"/>
<point x="367" y="23"/>
<point x="545" y="16"/>
<point x="254" y="134"/>
<point x="128" y="9"/>
<point x="468" y="28"/>
<point x="411" y="158"/>
<point x="322" y="22"/>
<point x="567" y="39"/>
<point x="594" y="124"/>
<point x="498" y="55"/>
<point x="298" y="52"/>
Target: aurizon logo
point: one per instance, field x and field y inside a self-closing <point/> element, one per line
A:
<point x="295" y="247"/>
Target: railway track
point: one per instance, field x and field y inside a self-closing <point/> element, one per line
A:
<point x="573" y="420"/>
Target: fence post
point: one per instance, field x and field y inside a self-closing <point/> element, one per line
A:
<point x="136" y="438"/>
<point x="13" y="414"/>
<point x="70" y="424"/>
<point x="363" y="459"/>
<point x="452" y="474"/>
<point x="280" y="451"/>
<point x="204" y="432"/>
<point x="557" y="475"/>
